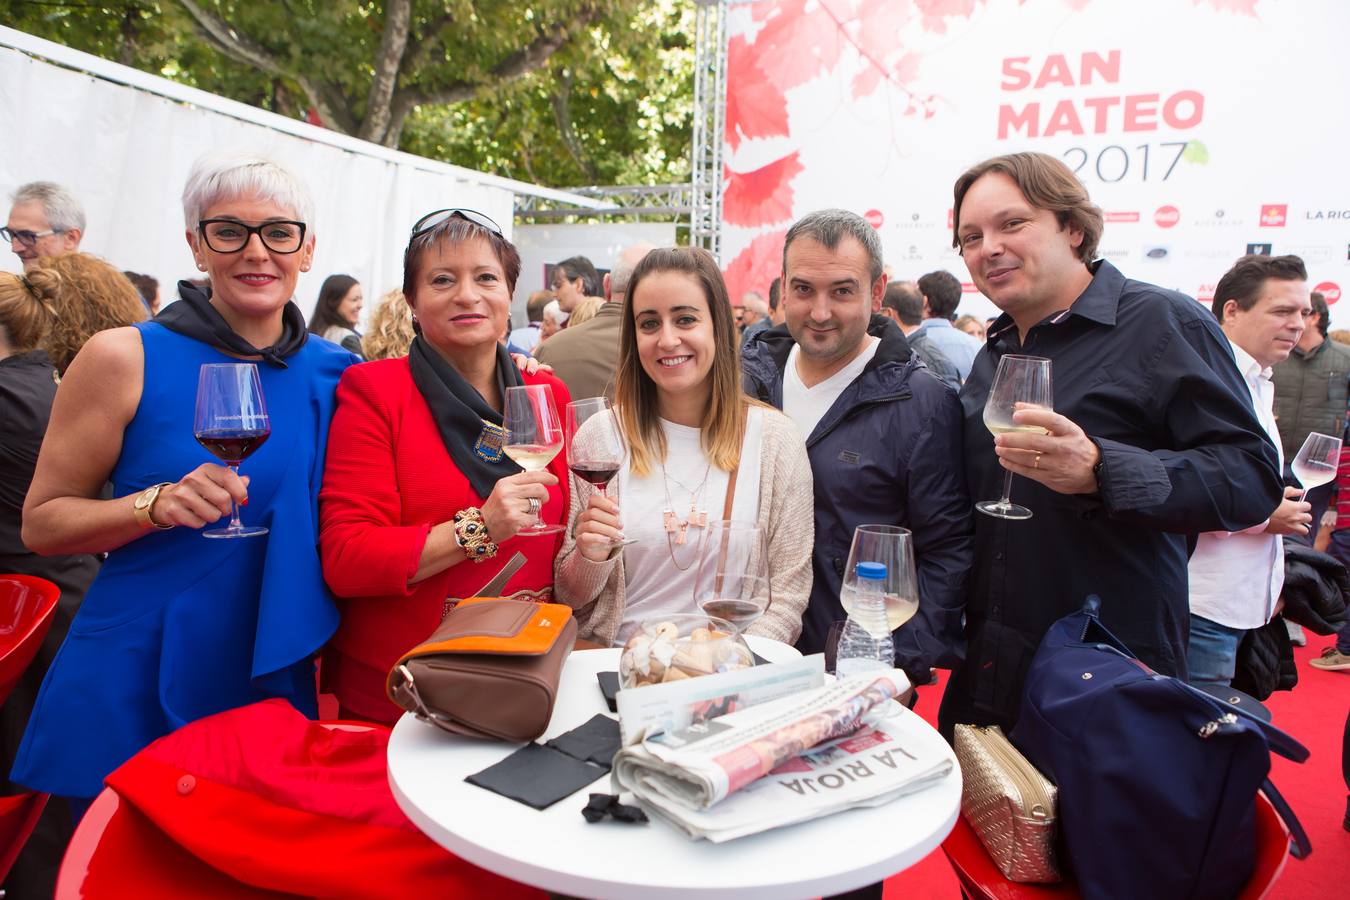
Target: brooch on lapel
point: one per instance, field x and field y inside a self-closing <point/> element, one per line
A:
<point x="490" y="442"/>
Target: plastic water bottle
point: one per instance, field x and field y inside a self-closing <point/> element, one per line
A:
<point x="865" y="643"/>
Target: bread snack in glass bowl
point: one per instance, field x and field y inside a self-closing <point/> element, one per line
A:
<point x="673" y="647"/>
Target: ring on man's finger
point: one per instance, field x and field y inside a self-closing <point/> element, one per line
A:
<point x="1037" y="463"/>
<point x="534" y="506"/>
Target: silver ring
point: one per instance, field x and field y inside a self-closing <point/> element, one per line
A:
<point x="534" y="506"/>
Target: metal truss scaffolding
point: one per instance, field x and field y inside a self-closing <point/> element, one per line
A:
<point x="701" y="198"/>
<point x="710" y="103"/>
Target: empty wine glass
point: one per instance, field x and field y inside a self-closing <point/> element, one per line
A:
<point x="1021" y="382"/>
<point x="1315" y="463"/>
<point x="893" y="547"/>
<point x="231" y="422"/>
<point x="533" y="437"/>
<point x="595" y="445"/>
<point x="732" y="581"/>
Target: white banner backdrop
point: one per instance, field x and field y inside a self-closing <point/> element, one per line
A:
<point x="125" y="152"/>
<point x="1203" y="128"/>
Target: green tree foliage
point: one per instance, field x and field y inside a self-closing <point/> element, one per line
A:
<point x="560" y="92"/>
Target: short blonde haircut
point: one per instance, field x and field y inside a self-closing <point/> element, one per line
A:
<point x="86" y="296"/>
<point x="585" y="309"/>
<point x="390" y="329"/>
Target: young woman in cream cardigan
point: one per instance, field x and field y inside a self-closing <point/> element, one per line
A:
<point x="689" y="427"/>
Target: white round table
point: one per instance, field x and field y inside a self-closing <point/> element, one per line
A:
<point x="557" y="850"/>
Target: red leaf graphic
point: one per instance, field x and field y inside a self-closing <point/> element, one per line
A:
<point x="935" y="12"/>
<point x="1241" y="7"/>
<point x="794" y="46"/>
<point x="755" y="267"/>
<point x="755" y="107"/>
<point x="763" y="196"/>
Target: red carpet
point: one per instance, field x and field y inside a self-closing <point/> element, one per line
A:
<point x="1314" y="713"/>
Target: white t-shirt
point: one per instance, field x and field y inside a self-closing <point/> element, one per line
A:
<point x="656" y="584"/>
<point x="806" y="406"/>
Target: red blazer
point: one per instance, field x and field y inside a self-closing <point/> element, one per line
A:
<point x="387" y="480"/>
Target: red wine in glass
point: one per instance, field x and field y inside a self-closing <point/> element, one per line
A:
<point x="595" y="445"/>
<point x="232" y="446"/>
<point x="231" y="422"/>
<point x="740" y="613"/>
<point x="596" y="473"/>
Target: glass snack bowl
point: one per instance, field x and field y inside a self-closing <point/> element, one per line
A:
<point x="675" y="647"/>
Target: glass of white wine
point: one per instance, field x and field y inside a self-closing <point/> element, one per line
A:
<point x="534" y="435"/>
<point x="893" y="547"/>
<point x="1315" y="463"/>
<point x="1021" y="382"/>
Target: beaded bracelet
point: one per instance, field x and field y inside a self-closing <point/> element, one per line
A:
<point x="471" y="535"/>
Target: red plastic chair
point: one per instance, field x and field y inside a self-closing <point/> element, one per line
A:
<point x="980" y="878"/>
<point x="26" y="607"/>
<point x="18" y="817"/>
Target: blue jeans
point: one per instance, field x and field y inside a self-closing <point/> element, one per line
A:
<point x="1211" y="654"/>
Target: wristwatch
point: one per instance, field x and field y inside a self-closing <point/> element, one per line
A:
<point x="145" y="501"/>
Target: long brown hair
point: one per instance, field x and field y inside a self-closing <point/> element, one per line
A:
<point x="635" y="393"/>
<point x="26" y="310"/>
<point x="88" y="296"/>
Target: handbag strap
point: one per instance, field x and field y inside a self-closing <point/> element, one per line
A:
<point x="1094" y="632"/>
<point x="1300" y="846"/>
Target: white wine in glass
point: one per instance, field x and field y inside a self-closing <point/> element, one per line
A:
<point x="534" y="435"/>
<point x="893" y="547"/>
<point x="1021" y="382"/>
<point x="1315" y="463"/>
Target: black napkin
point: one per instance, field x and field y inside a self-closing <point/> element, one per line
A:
<point x="537" y="776"/>
<point x="609" y="686"/>
<point x="595" y="742"/>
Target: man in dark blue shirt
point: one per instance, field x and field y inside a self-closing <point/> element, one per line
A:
<point x="1152" y="439"/>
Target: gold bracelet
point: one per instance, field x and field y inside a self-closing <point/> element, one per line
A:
<point x="471" y="535"/>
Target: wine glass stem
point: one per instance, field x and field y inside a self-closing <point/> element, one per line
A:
<point x="1007" y="488"/>
<point x="235" y="524"/>
<point x="1302" y="494"/>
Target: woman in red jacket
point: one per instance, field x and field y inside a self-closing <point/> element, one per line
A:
<point x="416" y="443"/>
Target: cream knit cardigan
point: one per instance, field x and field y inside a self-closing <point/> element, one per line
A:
<point x="595" y="590"/>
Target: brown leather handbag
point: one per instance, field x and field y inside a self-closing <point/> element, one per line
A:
<point x="490" y="670"/>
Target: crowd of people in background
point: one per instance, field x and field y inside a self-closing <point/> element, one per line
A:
<point x="835" y="396"/>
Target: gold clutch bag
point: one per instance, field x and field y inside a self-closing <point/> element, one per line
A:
<point x="1009" y="803"/>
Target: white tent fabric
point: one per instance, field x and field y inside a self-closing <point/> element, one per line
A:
<point x="123" y="142"/>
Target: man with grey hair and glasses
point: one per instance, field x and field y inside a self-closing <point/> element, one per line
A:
<point x="881" y="431"/>
<point x="586" y="356"/>
<point x="45" y="220"/>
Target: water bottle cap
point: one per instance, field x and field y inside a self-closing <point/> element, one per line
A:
<point x="872" y="571"/>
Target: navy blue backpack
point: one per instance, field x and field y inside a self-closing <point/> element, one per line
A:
<point x="1157" y="780"/>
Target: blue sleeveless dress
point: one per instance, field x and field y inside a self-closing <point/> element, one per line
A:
<point x="177" y="626"/>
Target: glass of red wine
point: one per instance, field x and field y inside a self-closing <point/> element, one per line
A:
<point x="733" y="573"/>
<point x="595" y="445"/>
<point x="231" y="422"/>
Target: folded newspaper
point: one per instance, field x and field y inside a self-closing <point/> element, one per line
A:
<point x="844" y="745"/>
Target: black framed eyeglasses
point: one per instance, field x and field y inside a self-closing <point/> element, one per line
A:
<point x="440" y="216"/>
<point x="230" y="236"/>
<point x="27" y="238"/>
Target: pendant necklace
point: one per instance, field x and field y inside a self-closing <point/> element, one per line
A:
<point x="677" y="530"/>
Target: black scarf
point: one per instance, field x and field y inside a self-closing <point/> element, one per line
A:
<point x="193" y="316"/>
<point x="470" y="429"/>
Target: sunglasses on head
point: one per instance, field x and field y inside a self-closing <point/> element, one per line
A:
<point x="440" y="216"/>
